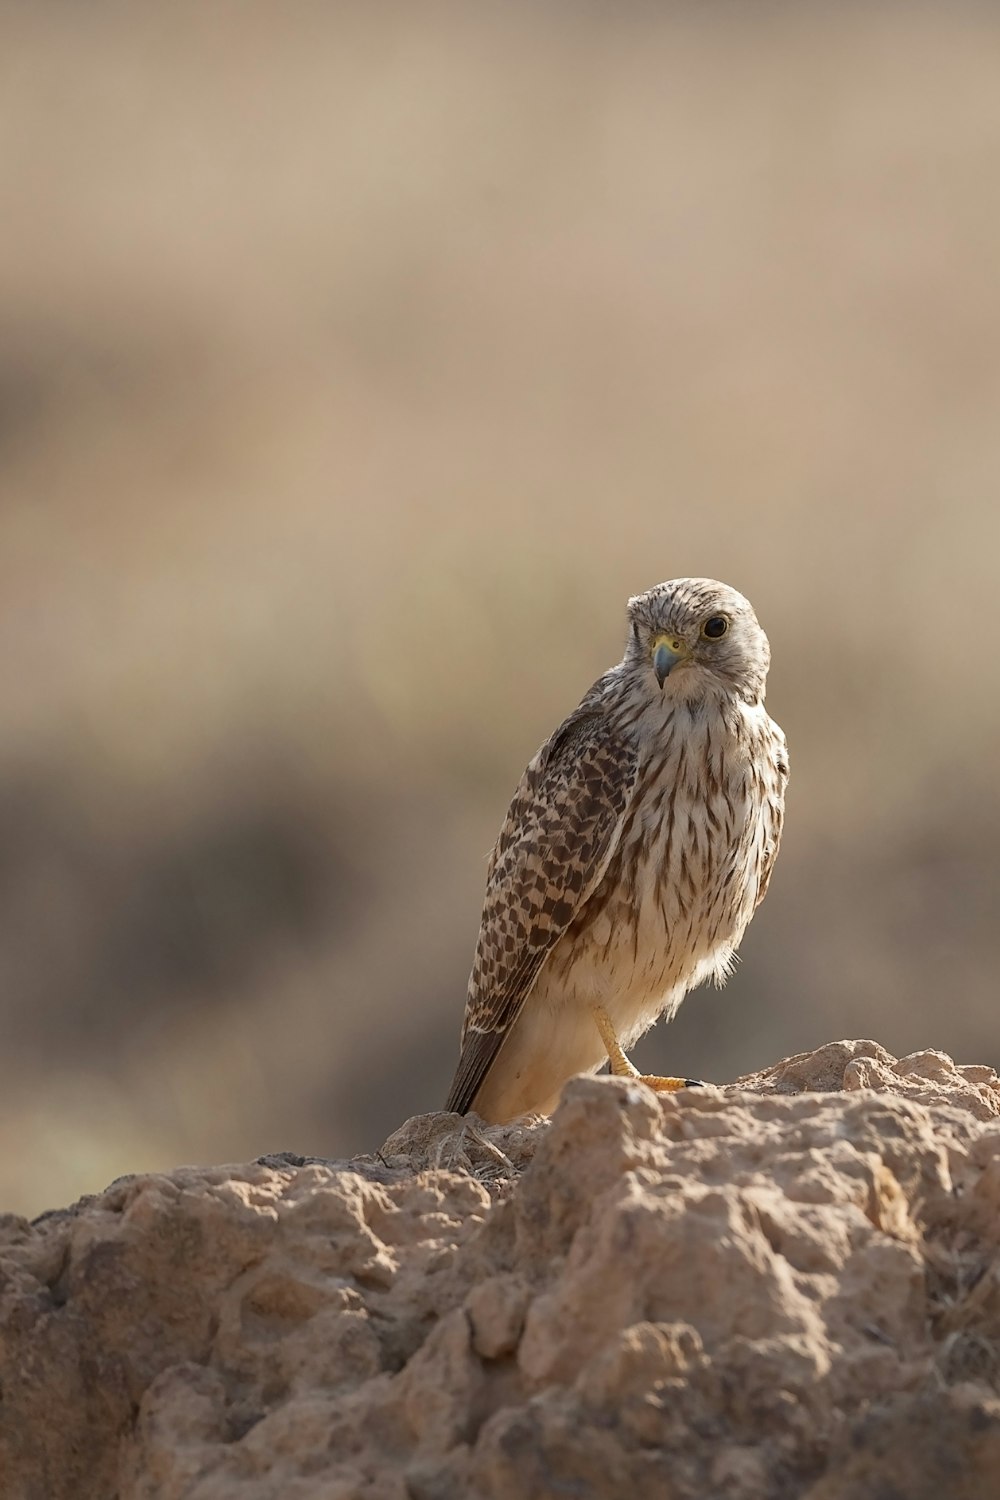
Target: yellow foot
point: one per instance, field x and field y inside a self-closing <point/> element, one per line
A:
<point x="668" y="1085"/>
<point x="621" y="1066"/>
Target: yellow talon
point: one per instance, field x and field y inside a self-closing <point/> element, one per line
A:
<point x="668" y="1085"/>
<point x="622" y="1068"/>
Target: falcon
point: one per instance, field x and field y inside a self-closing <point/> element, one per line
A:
<point x="639" y="844"/>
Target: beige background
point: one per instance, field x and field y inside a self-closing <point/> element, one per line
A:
<point x="356" y="363"/>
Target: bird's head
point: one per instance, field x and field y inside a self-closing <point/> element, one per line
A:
<point x="692" y="631"/>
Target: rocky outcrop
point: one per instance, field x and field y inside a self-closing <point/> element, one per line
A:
<point x="789" y="1287"/>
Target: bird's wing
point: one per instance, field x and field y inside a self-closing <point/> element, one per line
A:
<point x="559" y="834"/>
<point x="775" y="811"/>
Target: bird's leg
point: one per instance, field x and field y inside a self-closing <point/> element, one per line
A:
<point x="622" y="1068"/>
<point x="620" y="1065"/>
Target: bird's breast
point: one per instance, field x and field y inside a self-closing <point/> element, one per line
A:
<point x="681" y="885"/>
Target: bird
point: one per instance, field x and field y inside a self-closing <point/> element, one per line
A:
<point x="638" y="845"/>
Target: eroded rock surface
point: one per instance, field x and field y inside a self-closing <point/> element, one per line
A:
<point x="790" y="1287"/>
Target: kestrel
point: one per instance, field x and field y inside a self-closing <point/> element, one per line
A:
<point x="638" y="846"/>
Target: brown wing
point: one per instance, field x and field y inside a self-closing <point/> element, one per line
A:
<point x="559" y="834"/>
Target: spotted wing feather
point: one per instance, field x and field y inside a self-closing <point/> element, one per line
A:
<point x="559" y="834"/>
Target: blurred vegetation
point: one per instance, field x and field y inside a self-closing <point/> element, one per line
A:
<point x="356" y="364"/>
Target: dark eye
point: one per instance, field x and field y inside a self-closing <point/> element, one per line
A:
<point x="715" y="627"/>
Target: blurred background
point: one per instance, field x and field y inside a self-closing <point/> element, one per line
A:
<point x="356" y="363"/>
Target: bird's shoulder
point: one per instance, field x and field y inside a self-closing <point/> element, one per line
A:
<point x="751" y="726"/>
<point x="774" y="751"/>
<point x="586" y="763"/>
<point x="779" y="747"/>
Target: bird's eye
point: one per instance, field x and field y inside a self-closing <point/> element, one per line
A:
<point x="715" y="627"/>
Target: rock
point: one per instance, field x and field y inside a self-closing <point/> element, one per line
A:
<point x="929" y="1076"/>
<point x="785" y="1288"/>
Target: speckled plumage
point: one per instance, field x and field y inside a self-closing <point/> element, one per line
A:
<point x="639" y="842"/>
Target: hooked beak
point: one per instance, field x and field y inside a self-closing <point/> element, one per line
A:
<point x="668" y="652"/>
